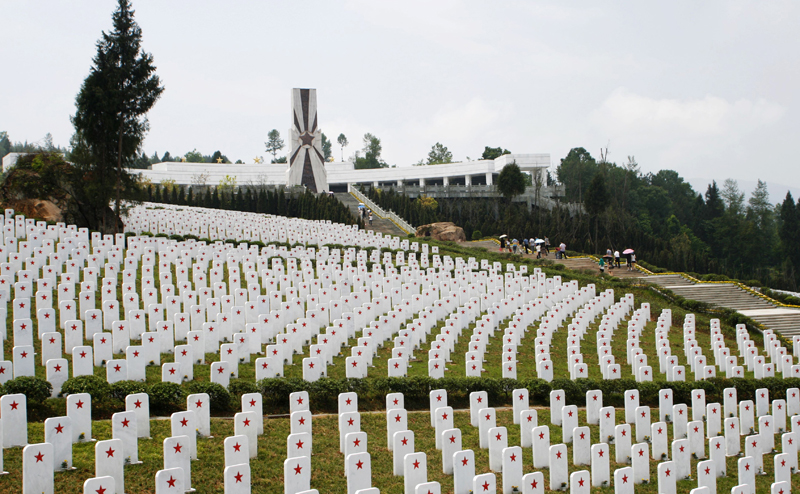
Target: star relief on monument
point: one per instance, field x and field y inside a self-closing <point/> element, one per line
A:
<point x="307" y="139"/>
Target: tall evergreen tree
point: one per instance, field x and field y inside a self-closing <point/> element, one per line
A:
<point x="789" y="231"/>
<point x="110" y="122"/>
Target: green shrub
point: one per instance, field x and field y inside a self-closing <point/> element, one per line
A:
<point x="219" y="396"/>
<point x="477" y="235"/>
<point x="97" y="387"/>
<point x="166" y="397"/>
<point x="239" y="387"/>
<point x="121" y="389"/>
<point x="35" y="389"/>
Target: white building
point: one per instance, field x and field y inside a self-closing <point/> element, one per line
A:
<point x="341" y="174"/>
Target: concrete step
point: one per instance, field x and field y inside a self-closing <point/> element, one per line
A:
<point x="384" y="226"/>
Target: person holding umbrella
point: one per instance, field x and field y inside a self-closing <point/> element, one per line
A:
<point x="503" y="242"/>
<point x="628" y="253"/>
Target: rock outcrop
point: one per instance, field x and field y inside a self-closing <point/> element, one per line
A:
<point x="444" y="231"/>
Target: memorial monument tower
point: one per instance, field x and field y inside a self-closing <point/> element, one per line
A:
<point x="306" y="161"/>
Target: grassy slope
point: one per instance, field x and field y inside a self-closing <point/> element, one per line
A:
<point x="327" y="463"/>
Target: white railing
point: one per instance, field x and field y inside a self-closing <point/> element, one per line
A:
<point x="380" y="212"/>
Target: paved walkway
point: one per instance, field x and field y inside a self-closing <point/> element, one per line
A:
<point x="384" y="226"/>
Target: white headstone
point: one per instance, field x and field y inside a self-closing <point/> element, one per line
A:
<point x="640" y="462"/>
<point x="97" y="485"/>
<point x="415" y="466"/>
<point x="58" y="432"/>
<point x="557" y="402"/>
<point x="176" y="456"/>
<point x="579" y="482"/>
<point x="747" y="474"/>
<point x="403" y="445"/>
<point x="296" y="474"/>
<point x="123" y="427"/>
<point x="79" y="410"/>
<point x="139" y="403"/>
<point x="601" y="475"/>
<point x="541" y="446"/>
<point x="497" y="442"/>
<point x="237" y="451"/>
<point x="246" y="424"/>
<point x="451" y="443"/>
<point x="252" y="402"/>
<point x="666" y="478"/>
<point x="236" y="479"/>
<point x="581" y="446"/>
<point x="623" y="481"/>
<point x="185" y="424"/>
<point x="463" y="471"/>
<point x="169" y="481"/>
<point x="558" y="467"/>
<point x="485" y="483"/>
<point x="533" y="483"/>
<point x="478" y="400"/>
<point x="108" y="461"/>
<point x="37" y="469"/>
<point x="359" y="466"/>
<point x="14" y="412"/>
<point x="200" y="404"/>
<point x="622" y="443"/>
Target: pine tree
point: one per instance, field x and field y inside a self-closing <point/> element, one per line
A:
<point x="789" y="231"/>
<point x="110" y="121"/>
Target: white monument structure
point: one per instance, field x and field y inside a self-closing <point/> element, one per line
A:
<point x="306" y="161"/>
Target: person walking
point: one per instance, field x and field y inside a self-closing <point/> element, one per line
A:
<point x="546" y="245"/>
<point x="633" y="263"/>
<point x="616" y="259"/>
<point x="370" y="218"/>
<point x="563" y="248"/>
<point x="502" y="244"/>
<point x="525" y="245"/>
<point x="538" y="251"/>
<point x="602" y="265"/>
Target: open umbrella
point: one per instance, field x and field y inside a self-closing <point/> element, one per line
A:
<point x="608" y="256"/>
<point x="361" y="205"/>
<point x="627" y="251"/>
<point x="538" y="241"/>
<point x="504" y="236"/>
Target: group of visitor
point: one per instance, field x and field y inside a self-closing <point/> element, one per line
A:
<point x="366" y="215"/>
<point x="531" y="245"/>
<point x="614" y="260"/>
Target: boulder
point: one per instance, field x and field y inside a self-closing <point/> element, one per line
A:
<point x="445" y="231"/>
<point x="37" y="208"/>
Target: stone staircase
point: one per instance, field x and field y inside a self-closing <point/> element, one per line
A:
<point x="384" y="226"/>
<point x="784" y="320"/>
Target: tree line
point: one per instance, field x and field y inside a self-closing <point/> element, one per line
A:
<point x="254" y="200"/>
<point x="660" y="215"/>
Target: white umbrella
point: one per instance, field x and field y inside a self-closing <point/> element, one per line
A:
<point x="538" y="241"/>
<point x="503" y="236"/>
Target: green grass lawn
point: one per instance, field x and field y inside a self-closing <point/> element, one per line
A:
<point x="327" y="463"/>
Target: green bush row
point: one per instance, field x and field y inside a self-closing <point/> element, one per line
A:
<point x="166" y="398"/>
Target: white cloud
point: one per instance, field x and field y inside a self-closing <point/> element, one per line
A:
<point x="626" y="112"/>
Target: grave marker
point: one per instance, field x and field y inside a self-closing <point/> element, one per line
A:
<point x="176" y="456"/>
<point x="108" y="461"/>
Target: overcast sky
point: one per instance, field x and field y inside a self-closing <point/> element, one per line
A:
<point x="709" y="89"/>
